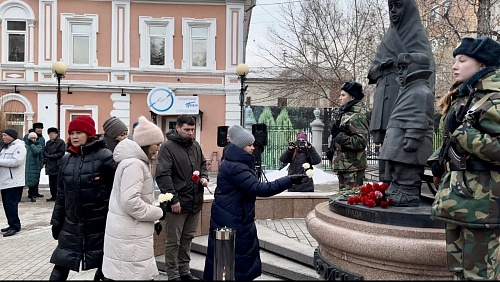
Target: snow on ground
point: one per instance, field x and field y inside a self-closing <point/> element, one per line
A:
<point x="320" y="176"/>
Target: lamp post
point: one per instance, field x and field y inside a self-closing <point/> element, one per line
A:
<point x="59" y="70"/>
<point x="242" y="71"/>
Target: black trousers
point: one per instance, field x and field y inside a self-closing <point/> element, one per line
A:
<point x="10" y="199"/>
<point x="53" y="185"/>
<point x="60" y="273"/>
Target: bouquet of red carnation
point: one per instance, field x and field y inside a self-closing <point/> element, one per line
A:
<point x="196" y="176"/>
<point x="371" y="195"/>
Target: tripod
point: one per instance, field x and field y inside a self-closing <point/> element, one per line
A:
<point x="257" y="153"/>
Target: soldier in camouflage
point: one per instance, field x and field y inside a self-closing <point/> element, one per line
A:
<point x="468" y="199"/>
<point x="350" y="137"/>
<point x="408" y="140"/>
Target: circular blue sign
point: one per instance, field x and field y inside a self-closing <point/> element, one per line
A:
<point x="160" y="100"/>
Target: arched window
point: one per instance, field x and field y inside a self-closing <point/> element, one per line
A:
<point x="17" y="20"/>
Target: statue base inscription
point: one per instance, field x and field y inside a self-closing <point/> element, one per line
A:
<point x="358" y="242"/>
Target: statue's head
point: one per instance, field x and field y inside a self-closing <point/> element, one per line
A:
<point x="395" y="11"/>
<point x="410" y="63"/>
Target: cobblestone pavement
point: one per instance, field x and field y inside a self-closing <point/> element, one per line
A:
<point x="294" y="228"/>
<point x="26" y="255"/>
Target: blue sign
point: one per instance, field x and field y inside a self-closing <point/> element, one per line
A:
<point x="163" y="101"/>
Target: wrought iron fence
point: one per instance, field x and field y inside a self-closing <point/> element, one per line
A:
<point x="278" y="138"/>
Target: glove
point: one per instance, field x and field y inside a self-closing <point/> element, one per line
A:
<point x="297" y="178"/>
<point x="158" y="228"/>
<point x="335" y="131"/>
<point x="453" y="124"/>
<point x="437" y="169"/>
<point x="163" y="207"/>
<point x="411" y="144"/>
<point x="55" y="232"/>
<point x="386" y="64"/>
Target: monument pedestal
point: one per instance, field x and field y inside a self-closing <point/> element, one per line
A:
<point x="357" y="242"/>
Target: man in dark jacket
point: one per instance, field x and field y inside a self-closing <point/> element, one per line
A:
<point x="53" y="152"/>
<point x="182" y="171"/>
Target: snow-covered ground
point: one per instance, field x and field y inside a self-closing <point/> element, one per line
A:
<point x="320" y="176"/>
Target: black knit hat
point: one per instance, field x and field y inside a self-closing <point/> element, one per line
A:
<point x="354" y="89"/>
<point x="11" y="132"/>
<point x="485" y="50"/>
<point x="52" y="129"/>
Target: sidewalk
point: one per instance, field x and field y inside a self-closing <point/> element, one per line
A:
<point x="26" y="255"/>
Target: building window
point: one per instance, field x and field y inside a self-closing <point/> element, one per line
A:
<point x="435" y="14"/>
<point x="282" y="102"/>
<point x="18" y="24"/>
<point x="79" y="39"/>
<point x="16" y="36"/>
<point x="16" y="121"/>
<point x="446" y="7"/>
<point x="198" y="44"/>
<point x="156" y="42"/>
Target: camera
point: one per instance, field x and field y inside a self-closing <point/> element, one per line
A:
<point x="301" y="143"/>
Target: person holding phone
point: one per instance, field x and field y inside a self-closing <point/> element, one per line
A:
<point x="299" y="152"/>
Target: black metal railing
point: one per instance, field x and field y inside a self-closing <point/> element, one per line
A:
<point x="278" y="138"/>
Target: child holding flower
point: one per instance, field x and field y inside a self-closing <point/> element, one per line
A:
<point x="128" y="241"/>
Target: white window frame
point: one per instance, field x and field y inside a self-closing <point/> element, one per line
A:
<point x="435" y="16"/>
<point x="67" y="43"/>
<point x="446" y="6"/>
<point x="16" y="10"/>
<point x="187" y="24"/>
<point x="26" y="39"/>
<point x="144" y="24"/>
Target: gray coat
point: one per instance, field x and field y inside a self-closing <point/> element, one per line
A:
<point x="412" y="117"/>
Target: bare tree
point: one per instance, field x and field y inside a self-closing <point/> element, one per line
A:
<point x="322" y="44"/>
<point x="447" y="22"/>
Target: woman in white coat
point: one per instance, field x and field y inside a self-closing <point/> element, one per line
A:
<point x="128" y="241"/>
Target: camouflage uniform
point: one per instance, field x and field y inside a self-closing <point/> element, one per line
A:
<point x="350" y="155"/>
<point x="469" y="200"/>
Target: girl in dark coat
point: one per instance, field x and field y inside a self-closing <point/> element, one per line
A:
<point x="234" y="204"/>
<point x="296" y="155"/>
<point x="84" y="185"/>
<point x="32" y="165"/>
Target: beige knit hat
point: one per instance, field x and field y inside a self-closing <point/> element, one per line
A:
<point x="32" y="135"/>
<point x="147" y="133"/>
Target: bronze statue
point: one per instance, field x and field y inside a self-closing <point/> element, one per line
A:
<point x="405" y="34"/>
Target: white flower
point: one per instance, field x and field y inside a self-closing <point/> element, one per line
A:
<point x="310" y="173"/>
<point x="196" y="172"/>
<point x="165" y="197"/>
<point x="306" y="165"/>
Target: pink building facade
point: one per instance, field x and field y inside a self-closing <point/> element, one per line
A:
<point x="124" y="58"/>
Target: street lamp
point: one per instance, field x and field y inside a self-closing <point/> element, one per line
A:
<point x="242" y="71"/>
<point x="59" y="70"/>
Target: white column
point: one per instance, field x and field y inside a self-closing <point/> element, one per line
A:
<point x="317" y="134"/>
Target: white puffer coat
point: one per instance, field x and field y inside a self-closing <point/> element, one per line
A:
<point x="128" y="242"/>
<point x="12" y="159"/>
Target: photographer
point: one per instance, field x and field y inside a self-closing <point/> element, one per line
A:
<point x="298" y="153"/>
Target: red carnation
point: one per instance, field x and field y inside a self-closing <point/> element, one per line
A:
<point x="370" y="203"/>
<point x="384" y="204"/>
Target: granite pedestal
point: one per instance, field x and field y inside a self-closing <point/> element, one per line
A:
<point x="361" y="243"/>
